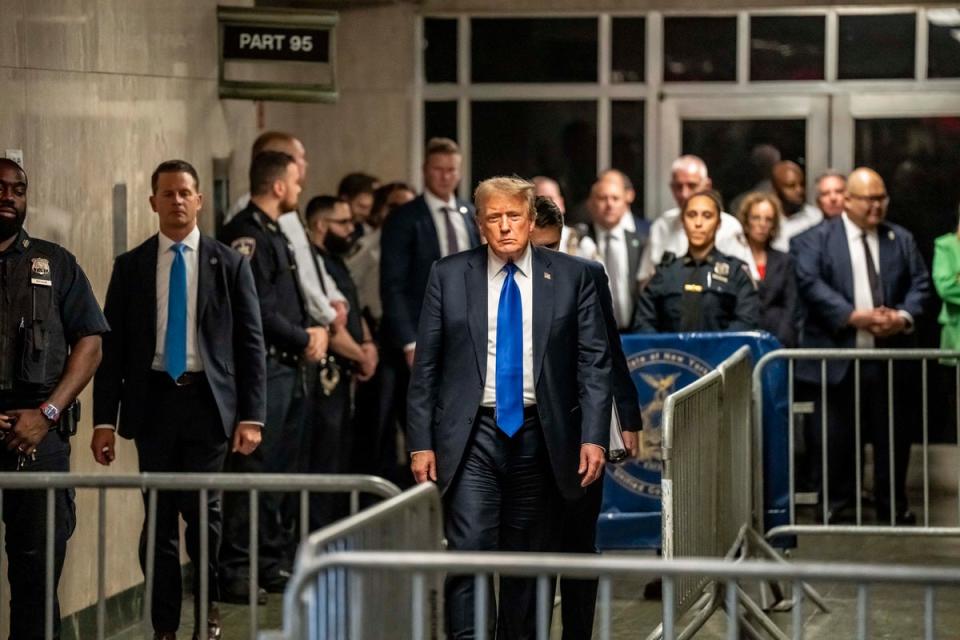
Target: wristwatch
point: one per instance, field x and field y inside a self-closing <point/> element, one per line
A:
<point x="50" y="411"/>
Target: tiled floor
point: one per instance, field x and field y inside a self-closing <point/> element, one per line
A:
<point x="894" y="613"/>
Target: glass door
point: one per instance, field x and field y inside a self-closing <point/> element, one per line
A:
<point x="735" y="135"/>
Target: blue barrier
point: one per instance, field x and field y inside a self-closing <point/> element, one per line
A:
<point x="659" y="365"/>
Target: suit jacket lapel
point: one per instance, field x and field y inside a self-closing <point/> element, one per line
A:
<point x="475" y="281"/>
<point x="148" y="278"/>
<point x="840" y="249"/>
<point x="472" y="233"/>
<point x="542" y="308"/>
<point x="208" y="266"/>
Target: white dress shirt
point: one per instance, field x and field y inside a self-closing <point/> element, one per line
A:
<point x="191" y="256"/>
<point x="496" y="275"/>
<point x="667" y="234"/>
<point x="621" y="290"/>
<point x="862" y="296"/>
<point x="790" y="226"/>
<point x="435" y="205"/>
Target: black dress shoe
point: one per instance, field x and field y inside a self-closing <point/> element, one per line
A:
<point x="214" y="631"/>
<point x="164" y="635"/>
<point x="653" y="590"/>
<point x="238" y="592"/>
<point x="905" y="517"/>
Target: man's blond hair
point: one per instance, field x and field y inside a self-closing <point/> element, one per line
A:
<point x="510" y="186"/>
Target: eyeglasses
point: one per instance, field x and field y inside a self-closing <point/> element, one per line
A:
<point x="881" y="199"/>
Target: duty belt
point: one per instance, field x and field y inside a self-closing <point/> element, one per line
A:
<point x="283" y="357"/>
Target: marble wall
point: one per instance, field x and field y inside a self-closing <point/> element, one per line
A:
<point x="97" y="93"/>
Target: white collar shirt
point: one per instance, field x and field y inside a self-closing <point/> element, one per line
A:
<point x="191" y="259"/>
<point x="453" y="212"/>
<point x="790" y="226"/>
<point x="862" y="297"/>
<point x="616" y="240"/>
<point x="318" y="288"/>
<point x="496" y="276"/>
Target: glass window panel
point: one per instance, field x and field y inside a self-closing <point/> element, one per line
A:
<point x="534" y="49"/>
<point x="877" y="47"/>
<point x="697" y="49"/>
<point x="440" y="119"/>
<point x="549" y="138"/>
<point x="628" y="57"/>
<point x="943" y="59"/>
<point x="787" y="47"/>
<point x="728" y="146"/>
<point x="627" y="145"/>
<point x="440" y="49"/>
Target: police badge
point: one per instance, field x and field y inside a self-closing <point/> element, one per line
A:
<point x="244" y="245"/>
<point x="40" y="272"/>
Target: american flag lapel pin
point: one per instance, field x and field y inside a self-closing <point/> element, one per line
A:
<point x="547" y="276"/>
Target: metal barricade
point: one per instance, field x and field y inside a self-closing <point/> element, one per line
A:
<point x="857" y="357"/>
<point x="415" y="569"/>
<point x="343" y="603"/>
<point x="203" y="484"/>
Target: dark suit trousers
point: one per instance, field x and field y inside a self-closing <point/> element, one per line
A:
<point x="579" y="535"/>
<point x="504" y="498"/>
<point x="184" y="434"/>
<point x="330" y="444"/>
<point x="841" y="435"/>
<point x="280" y="451"/>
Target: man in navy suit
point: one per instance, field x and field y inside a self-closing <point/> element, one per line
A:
<point x="864" y="285"/>
<point x="184" y="367"/>
<point x="510" y="397"/>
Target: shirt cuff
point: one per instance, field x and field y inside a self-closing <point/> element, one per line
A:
<point x="410" y="346"/>
<point x="112" y="427"/>
<point x="256" y="422"/>
<point x="593" y="444"/>
<point x="909" y="318"/>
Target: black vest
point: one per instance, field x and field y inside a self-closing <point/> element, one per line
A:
<point x="33" y="349"/>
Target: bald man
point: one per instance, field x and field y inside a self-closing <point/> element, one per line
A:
<point x="798" y="216"/>
<point x="688" y="175"/>
<point x="864" y="285"/>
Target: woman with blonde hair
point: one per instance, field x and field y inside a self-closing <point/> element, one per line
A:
<point x="760" y="215"/>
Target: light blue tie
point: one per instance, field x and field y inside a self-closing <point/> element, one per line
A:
<point x="510" y="355"/>
<point x="175" y="346"/>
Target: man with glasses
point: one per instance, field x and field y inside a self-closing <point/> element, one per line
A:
<point x="865" y="286"/>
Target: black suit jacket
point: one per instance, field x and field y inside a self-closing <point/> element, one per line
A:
<point x="825" y="283"/>
<point x="778" y="298"/>
<point x="571" y="360"/>
<point x="408" y="248"/>
<point x="624" y="391"/>
<point x="229" y="336"/>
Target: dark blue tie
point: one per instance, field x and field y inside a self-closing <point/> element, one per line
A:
<point x="510" y="355"/>
<point x="175" y="345"/>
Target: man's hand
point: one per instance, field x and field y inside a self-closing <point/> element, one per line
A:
<point x="317" y="346"/>
<point x="408" y="354"/>
<point x="340" y="322"/>
<point x="889" y="322"/>
<point x="863" y="319"/>
<point x="246" y="438"/>
<point x="591" y="463"/>
<point x="28" y="428"/>
<point x="102" y="445"/>
<point x="631" y="442"/>
<point x="424" y="466"/>
<point x="369" y="366"/>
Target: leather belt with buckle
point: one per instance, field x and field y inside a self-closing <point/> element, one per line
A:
<point x="283" y="357"/>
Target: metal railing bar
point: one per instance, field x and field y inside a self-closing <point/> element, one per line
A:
<point x="150" y="560"/>
<point x="48" y="577"/>
<point x="866" y="530"/>
<point x="101" y="563"/>
<point x="203" y="537"/>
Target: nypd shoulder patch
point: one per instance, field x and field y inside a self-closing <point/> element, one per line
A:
<point x="244" y="245"/>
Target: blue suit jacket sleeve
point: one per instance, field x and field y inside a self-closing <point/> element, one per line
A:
<point x="424" y="378"/>
<point x="593" y="370"/>
<point x="249" y="351"/>
<point x="822" y="300"/>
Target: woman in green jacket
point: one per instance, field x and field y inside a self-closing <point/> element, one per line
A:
<point x="946" y="278"/>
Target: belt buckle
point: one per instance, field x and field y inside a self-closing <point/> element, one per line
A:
<point x="181" y="381"/>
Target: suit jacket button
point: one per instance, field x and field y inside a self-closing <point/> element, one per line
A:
<point x="469" y="420"/>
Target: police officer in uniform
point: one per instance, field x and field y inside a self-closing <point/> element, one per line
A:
<point x="291" y="342"/>
<point x="703" y="290"/>
<point x="50" y="326"/>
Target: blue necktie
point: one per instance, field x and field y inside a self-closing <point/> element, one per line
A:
<point x="175" y="346"/>
<point x="510" y="355"/>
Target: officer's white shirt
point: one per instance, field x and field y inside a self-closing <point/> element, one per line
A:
<point x="165" y="255"/>
<point x="790" y="226"/>
<point x="496" y="275"/>
<point x="316" y="301"/>
<point x="667" y="235"/>
<point x="435" y="205"/>
<point x="616" y="239"/>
